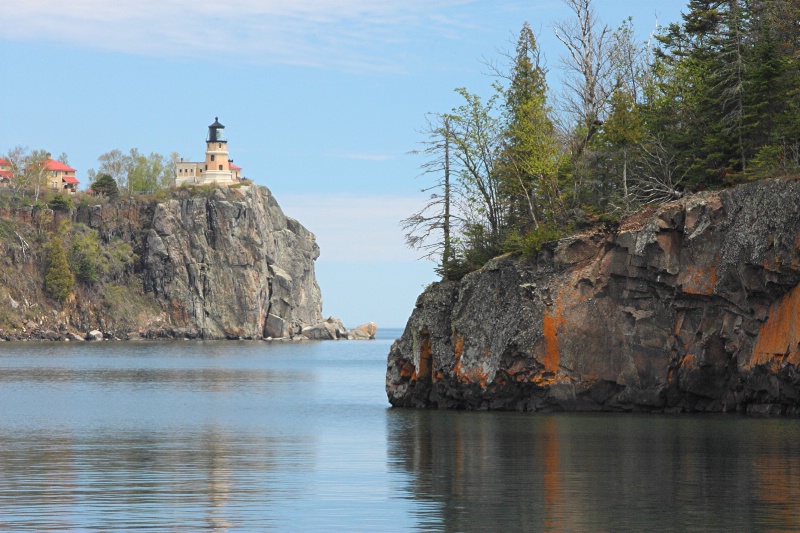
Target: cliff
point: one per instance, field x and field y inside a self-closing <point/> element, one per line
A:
<point x="692" y="306"/>
<point x="202" y="263"/>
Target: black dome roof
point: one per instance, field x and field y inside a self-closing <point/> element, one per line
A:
<point x="216" y="123"/>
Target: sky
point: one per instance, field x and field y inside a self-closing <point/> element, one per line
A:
<point x="322" y="101"/>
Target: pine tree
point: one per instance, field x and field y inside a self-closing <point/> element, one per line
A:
<point x="59" y="279"/>
<point x="528" y="165"/>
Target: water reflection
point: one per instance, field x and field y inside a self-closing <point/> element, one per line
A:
<point x="199" y="480"/>
<point x="490" y="471"/>
<point x="297" y="437"/>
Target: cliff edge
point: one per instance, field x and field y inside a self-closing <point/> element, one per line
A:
<point x="202" y="263"/>
<point x="691" y="306"/>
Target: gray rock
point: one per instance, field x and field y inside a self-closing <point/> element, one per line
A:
<point x="94" y="335"/>
<point x="363" y="332"/>
<point x="330" y="329"/>
<point x="687" y="307"/>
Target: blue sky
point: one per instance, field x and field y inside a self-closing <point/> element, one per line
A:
<point x="322" y="101"/>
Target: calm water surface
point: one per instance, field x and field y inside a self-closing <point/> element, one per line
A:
<point x="192" y="436"/>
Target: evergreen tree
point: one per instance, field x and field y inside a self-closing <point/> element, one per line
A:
<point x="105" y="185"/>
<point x="529" y="160"/>
<point x="59" y="279"/>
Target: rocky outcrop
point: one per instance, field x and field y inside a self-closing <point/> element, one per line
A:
<point x="363" y="332"/>
<point x="232" y="265"/>
<point x="692" y="306"/>
<point x="210" y="264"/>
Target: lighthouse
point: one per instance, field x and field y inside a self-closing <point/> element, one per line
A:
<point x="217" y="168"/>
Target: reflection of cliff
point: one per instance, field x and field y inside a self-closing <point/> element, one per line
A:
<point x="474" y="472"/>
<point x="692" y="306"/>
<point x="197" y="480"/>
<point x="777" y="474"/>
<point x="492" y="472"/>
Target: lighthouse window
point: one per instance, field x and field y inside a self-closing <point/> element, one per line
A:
<point x="212" y="157"/>
<point x="220" y="167"/>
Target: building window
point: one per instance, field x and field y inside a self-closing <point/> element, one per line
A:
<point x="212" y="157"/>
<point x="219" y="145"/>
<point x="206" y="167"/>
<point x="220" y="167"/>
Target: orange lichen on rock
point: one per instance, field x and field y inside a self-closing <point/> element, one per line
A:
<point x="551" y="353"/>
<point x="699" y="280"/>
<point x="476" y="374"/>
<point x="779" y="337"/>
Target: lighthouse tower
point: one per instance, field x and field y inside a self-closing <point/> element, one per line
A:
<point x="217" y="168"/>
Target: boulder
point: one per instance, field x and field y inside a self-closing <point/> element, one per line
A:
<point x="329" y="329"/>
<point x="94" y="335"/>
<point x="363" y="332"/>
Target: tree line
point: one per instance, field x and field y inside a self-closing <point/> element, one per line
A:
<point x="118" y="172"/>
<point x="707" y="102"/>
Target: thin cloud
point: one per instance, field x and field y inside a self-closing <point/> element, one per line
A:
<point x="349" y="34"/>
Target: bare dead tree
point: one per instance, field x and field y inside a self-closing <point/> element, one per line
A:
<point x="589" y="67"/>
<point x="423" y="227"/>
<point x="659" y="175"/>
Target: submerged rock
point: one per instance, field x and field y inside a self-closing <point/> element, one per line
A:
<point x="689" y="307"/>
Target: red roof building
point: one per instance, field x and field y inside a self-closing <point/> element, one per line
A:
<point x="62" y="176"/>
<point x="5" y="172"/>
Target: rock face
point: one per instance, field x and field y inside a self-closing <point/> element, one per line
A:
<point x="694" y="306"/>
<point x="232" y="266"/>
<point x="210" y="264"/>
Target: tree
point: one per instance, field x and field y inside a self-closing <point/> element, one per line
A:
<point x="106" y="186"/>
<point x="476" y="142"/>
<point x="135" y="172"/>
<point x="589" y="68"/>
<point x="59" y="279"/>
<point x="529" y="160"/>
<point x="148" y="174"/>
<point x="29" y="171"/>
<point x="117" y="165"/>
<point x="437" y="215"/>
<point x="622" y="134"/>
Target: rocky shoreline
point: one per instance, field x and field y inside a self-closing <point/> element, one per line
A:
<point x="330" y="329"/>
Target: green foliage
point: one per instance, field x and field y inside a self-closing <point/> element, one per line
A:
<point x="59" y="279"/>
<point x="715" y="104"/>
<point x="105" y="185"/>
<point x="727" y="82"/>
<point x="530" y="244"/>
<point x="61" y="202"/>
<point x="137" y="173"/>
<point x="92" y="261"/>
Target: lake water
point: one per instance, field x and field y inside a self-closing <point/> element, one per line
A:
<point x="253" y="436"/>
